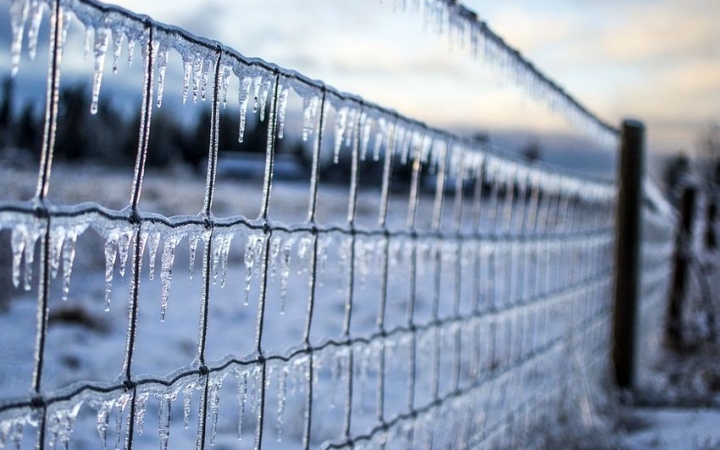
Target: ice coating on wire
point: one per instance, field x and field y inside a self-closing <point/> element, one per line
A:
<point x="464" y="28"/>
<point x="447" y="169"/>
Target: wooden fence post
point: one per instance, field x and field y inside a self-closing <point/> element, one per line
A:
<point x="679" y="281"/>
<point x="631" y="172"/>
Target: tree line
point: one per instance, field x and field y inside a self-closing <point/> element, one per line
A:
<point x="111" y="137"/>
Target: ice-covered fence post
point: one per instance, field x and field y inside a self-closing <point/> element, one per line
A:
<point x="627" y="252"/>
<point x="681" y="260"/>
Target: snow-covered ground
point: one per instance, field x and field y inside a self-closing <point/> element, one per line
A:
<point x="679" y="429"/>
<point x="87" y="344"/>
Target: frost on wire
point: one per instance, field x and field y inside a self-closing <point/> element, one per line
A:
<point x="482" y="307"/>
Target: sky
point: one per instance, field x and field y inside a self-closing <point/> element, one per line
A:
<point x="655" y="60"/>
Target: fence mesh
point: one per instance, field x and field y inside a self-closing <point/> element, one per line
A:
<point x="659" y="226"/>
<point x="448" y="285"/>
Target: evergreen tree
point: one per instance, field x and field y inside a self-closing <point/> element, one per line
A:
<point x="6" y="113"/>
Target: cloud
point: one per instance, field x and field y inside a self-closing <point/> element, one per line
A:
<point x="662" y="35"/>
<point x="533" y="32"/>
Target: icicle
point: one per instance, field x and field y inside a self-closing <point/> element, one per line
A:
<point x="214" y="401"/>
<point x="23" y="244"/>
<point x="141" y="246"/>
<point x="197" y="74"/>
<point x="57" y="237"/>
<point x="243" y="97"/>
<point x="340" y="126"/>
<point x="102" y="38"/>
<point x="253" y="252"/>
<point x="66" y="18"/>
<point x="266" y="87"/>
<point x="124" y="241"/>
<point x="162" y="60"/>
<point x="304" y="247"/>
<point x="256" y="85"/>
<point x="154" y="243"/>
<point x="242" y="388"/>
<point x="131" y="50"/>
<point x="12" y="432"/>
<point x="30" y="243"/>
<point x="16" y="433"/>
<point x="103" y="422"/>
<point x="53" y="429"/>
<point x="37" y="8"/>
<point x="118" y="38"/>
<point x="68" y="256"/>
<point x="61" y="425"/>
<point x="365" y="255"/>
<point x="120" y="404"/>
<point x="206" y="69"/>
<point x="164" y="421"/>
<point x="285" y="271"/>
<point x="167" y="261"/>
<point x="110" y="255"/>
<point x="18" y="17"/>
<point x="225" y="83"/>
<point x="350" y="126"/>
<point x="337" y="372"/>
<point x="275" y="244"/>
<point x="4" y="431"/>
<point x="310" y="108"/>
<point x="193" y="242"/>
<point x="405" y="142"/>
<point x="256" y="403"/>
<point x="344" y="252"/>
<point x="282" y="399"/>
<point x="88" y="42"/>
<point x="187" y="403"/>
<point x="220" y="257"/>
<point x="216" y="251"/>
<point x="224" y="254"/>
<point x="367" y="123"/>
<point x="188" y="59"/>
<point x="282" y="107"/>
<point x="364" y="369"/>
<point x="140" y="409"/>
<point x="379" y="138"/>
<point x="322" y="253"/>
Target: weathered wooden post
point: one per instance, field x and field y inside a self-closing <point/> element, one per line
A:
<point x="681" y="261"/>
<point x="631" y="169"/>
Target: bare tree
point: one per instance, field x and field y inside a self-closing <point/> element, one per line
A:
<point x="708" y="149"/>
<point x="531" y="152"/>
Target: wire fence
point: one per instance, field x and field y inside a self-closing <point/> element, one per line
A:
<point x="461" y="299"/>
<point x="466" y="29"/>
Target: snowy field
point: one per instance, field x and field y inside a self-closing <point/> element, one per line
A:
<point x="86" y="343"/>
<point x="499" y="361"/>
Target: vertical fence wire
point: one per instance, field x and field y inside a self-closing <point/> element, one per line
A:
<point x="491" y="283"/>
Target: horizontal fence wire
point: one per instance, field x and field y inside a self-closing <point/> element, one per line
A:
<point x="470" y="311"/>
<point x="465" y="28"/>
